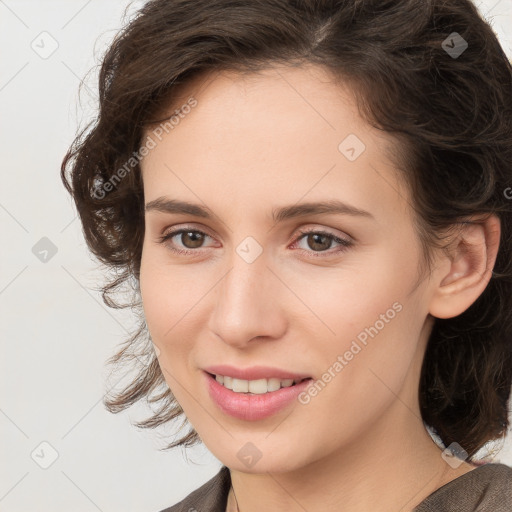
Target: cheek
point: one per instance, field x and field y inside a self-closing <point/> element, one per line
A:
<point x="152" y="294"/>
<point x="352" y="299"/>
<point x="173" y="301"/>
<point x="165" y="306"/>
<point x="160" y="295"/>
<point x="374" y="326"/>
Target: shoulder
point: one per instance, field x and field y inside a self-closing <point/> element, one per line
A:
<point x="487" y="488"/>
<point x="210" y="497"/>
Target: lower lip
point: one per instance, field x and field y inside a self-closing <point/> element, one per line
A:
<point x="253" y="407"/>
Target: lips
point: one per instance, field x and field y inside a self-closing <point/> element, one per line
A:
<point x="254" y="372"/>
<point x="253" y="407"/>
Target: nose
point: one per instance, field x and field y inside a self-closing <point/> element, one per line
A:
<point x="249" y="303"/>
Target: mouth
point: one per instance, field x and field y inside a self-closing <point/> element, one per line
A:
<point x="256" y="386"/>
<point x="254" y="400"/>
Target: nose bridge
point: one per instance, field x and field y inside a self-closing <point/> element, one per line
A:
<point x="246" y="303"/>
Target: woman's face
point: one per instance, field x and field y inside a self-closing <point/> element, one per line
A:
<point x="282" y="292"/>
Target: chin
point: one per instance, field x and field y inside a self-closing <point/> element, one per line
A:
<point x="255" y="457"/>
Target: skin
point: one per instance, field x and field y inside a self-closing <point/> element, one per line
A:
<point x="258" y="142"/>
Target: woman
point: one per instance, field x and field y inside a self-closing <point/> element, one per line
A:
<point x="312" y="202"/>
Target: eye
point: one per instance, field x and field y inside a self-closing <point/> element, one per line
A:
<point x="190" y="238"/>
<point x="319" y="241"/>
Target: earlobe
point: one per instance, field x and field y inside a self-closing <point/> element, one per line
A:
<point x="472" y="257"/>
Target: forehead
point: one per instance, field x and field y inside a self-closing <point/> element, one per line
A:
<point x="283" y="130"/>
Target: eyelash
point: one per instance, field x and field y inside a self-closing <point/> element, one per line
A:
<point x="344" y="244"/>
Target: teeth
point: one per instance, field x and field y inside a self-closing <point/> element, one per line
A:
<point x="240" y="386"/>
<point x="256" y="387"/>
<point x="273" y="384"/>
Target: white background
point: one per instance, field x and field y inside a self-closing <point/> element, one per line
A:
<point x="56" y="334"/>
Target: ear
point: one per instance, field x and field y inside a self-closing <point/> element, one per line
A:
<point x="465" y="271"/>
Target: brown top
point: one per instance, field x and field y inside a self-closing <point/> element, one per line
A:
<point x="488" y="488"/>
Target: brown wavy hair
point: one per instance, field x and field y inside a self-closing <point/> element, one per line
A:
<point x="451" y="115"/>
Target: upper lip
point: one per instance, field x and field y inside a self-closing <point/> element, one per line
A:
<point x="254" y="372"/>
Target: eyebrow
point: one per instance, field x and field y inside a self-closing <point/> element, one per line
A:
<point x="167" y="205"/>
